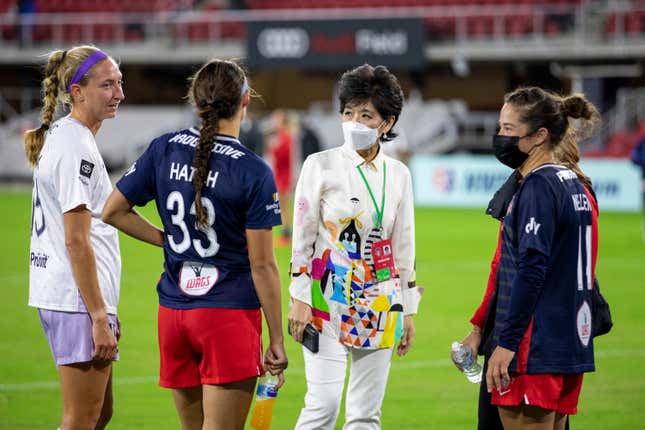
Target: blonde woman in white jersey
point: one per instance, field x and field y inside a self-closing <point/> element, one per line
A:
<point x="75" y="266"/>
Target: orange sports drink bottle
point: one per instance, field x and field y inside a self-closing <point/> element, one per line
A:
<point x="265" y="398"/>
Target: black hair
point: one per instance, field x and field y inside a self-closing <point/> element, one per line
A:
<point x="378" y="85"/>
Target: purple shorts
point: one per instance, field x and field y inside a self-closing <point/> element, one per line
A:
<point x="70" y="335"/>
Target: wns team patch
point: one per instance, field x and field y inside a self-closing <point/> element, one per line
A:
<point x="86" y="168"/>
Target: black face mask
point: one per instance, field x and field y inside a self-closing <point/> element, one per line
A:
<point x="507" y="151"/>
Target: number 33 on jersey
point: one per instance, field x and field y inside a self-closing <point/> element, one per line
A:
<point x="206" y="265"/>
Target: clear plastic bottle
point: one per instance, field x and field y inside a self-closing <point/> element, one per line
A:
<point x="467" y="362"/>
<point x="265" y="398"/>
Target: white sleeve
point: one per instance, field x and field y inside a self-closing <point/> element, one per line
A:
<point x="305" y="229"/>
<point x="75" y="174"/>
<point x="404" y="248"/>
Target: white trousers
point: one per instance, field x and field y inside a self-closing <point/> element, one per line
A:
<point x="325" y="372"/>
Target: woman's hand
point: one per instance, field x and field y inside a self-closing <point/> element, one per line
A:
<point x="105" y="343"/>
<point x="472" y="341"/>
<point x="275" y="361"/>
<point x="408" y="336"/>
<point x="299" y="317"/>
<point x="497" y="375"/>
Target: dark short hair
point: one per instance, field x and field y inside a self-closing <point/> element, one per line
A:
<point x="374" y="84"/>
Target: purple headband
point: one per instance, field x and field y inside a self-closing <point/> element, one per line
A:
<point x="85" y="66"/>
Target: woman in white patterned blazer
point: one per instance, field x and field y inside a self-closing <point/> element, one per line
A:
<point x="353" y="257"/>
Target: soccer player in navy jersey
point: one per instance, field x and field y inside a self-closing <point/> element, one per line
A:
<point x="566" y="153"/>
<point x="541" y="339"/>
<point x="218" y="203"/>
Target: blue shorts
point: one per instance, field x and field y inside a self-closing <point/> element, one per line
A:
<point x="70" y="335"/>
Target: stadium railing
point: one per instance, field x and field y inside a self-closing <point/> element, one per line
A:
<point x="615" y="26"/>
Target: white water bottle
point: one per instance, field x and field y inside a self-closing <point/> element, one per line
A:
<point x="467" y="362"/>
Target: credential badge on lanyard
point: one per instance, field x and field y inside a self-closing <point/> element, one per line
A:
<point x="382" y="251"/>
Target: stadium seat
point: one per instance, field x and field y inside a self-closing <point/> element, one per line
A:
<point x="619" y="145"/>
<point x="73" y="33"/>
<point x="611" y="23"/>
<point x="233" y="30"/>
<point x="198" y="31"/>
<point x="551" y="28"/>
<point x="42" y="32"/>
<point x="485" y="25"/>
<point x="75" y="6"/>
<point x="633" y="24"/>
<point x="479" y="27"/>
<point x="103" y="32"/>
<point x="7" y="5"/>
<point x="518" y="25"/>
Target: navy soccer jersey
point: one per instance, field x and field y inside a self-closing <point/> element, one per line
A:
<point x="545" y="275"/>
<point x="205" y="266"/>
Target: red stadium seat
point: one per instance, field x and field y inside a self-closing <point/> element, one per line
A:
<point x="73" y="33"/>
<point x="7" y="5"/>
<point x="198" y="31"/>
<point x="632" y="24"/>
<point x="105" y="6"/>
<point x="640" y="130"/>
<point x="45" y="6"/>
<point x="103" y="32"/>
<point x="8" y="32"/>
<point x="481" y="26"/>
<point x="233" y="30"/>
<point x="619" y="145"/>
<point x="611" y="23"/>
<point x="42" y="32"/>
<point x="437" y="28"/>
<point x="551" y="28"/>
<point x="518" y="25"/>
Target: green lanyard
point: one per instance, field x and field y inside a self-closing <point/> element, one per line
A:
<point x="379" y="213"/>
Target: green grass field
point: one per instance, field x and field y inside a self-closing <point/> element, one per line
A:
<point x="424" y="392"/>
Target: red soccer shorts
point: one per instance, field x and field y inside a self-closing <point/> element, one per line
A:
<point x="208" y="346"/>
<point x="555" y="392"/>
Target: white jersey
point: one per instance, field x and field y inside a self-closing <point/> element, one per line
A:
<point x="70" y="172"/>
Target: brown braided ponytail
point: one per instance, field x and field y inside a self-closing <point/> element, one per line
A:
<point x="215" y="91"/>
<point x="59" y="70"/>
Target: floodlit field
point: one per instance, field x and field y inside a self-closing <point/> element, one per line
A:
<point x="424" y="392"/>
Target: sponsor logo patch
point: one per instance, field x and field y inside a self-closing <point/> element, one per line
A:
<point x="197" y="279"/>
<point x="583" y="323"/>
<point x="275" y="206"/>
<point x="532" y="226"/>
<point x="38" y="259"/>
<point x="86" y="168"/>
<point x="132" y="169"/>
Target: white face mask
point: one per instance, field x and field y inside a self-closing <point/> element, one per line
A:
<point x="359" y="136"/>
